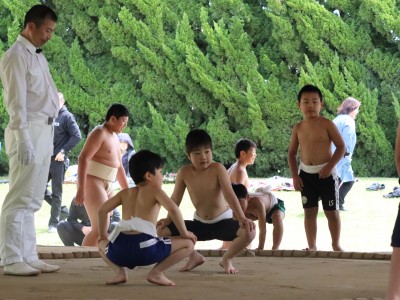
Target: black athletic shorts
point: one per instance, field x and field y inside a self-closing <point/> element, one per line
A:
<point x="224" y="230"/>
<point x="315" y="188"/>
<point x="396" y="231"/>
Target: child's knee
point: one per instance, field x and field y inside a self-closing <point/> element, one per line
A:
<point x="277" y="217"/>
<point x="249" y="235"/>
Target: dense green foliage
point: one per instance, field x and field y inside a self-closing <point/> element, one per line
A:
<point x="232" y="67"/>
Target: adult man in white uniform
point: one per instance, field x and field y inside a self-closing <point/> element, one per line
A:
<point x="32" y="103"/>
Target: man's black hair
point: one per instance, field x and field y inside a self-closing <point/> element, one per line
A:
<point x="38" y="13"/>
<point x="142" y="162"/>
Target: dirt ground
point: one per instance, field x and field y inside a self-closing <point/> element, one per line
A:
<point x="268" y="275"/>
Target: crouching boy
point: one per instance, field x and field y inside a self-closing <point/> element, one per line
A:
<point x="134" y="241"/>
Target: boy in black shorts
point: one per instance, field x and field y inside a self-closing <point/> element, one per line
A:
<point x="214" y="200"/>
<point x="317" y="178"/>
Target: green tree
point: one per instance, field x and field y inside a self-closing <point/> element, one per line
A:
<point x="232" y="67"/>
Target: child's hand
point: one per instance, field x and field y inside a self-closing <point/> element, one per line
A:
<point x="80" y="197"/>
<point x="247" y="224"/>
<point x="163" y="223"/>
<point x="297" y="183"/>
<point x="325" y="172"/>
<point x="190" y="235"/>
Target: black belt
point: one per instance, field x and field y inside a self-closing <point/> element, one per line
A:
<point x="49" y="121"/>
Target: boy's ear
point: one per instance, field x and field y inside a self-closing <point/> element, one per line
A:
<point x="147" y="176"/>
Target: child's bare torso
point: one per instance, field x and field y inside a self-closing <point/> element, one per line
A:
<point x="314" y="141"/>
<point x="109" y="152"/>
<point x="205" y="191"/>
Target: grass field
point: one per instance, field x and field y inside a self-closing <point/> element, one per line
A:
<point x="366" y="227"/>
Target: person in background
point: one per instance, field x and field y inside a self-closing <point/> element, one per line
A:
<point x="32" y="103"/>
<point x="66" y="137"/>
<point x="77" y="225"/>
<point x="100" y="164"/>
<point x="127" y="150"/>
<point x="345" y="122"/>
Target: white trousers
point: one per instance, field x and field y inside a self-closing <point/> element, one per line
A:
<point x="27" y="184"/>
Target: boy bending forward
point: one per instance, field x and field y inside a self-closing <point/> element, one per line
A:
<point x="134" y="241"/>
<point x="262" y="205"/>
<point x="210" y="191"/>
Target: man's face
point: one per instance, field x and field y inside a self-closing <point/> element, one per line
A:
<point x="39" y="36"/>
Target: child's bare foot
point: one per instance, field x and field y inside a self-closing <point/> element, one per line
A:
<point x="228" y="267"/>
<point x="122" y="277"/>
<point x="160" y="279"/>
<point x="195" y="260"/>
<point x="337" y="248"/>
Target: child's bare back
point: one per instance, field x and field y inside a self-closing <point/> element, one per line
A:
<point x="238" y="174"/>
<point x="140" y="209"/>
<point x="140" y="201"/>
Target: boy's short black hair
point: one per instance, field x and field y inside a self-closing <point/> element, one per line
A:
<point x="309" y="88"/>
<point x="244" y="145"/>
<point x="117" y="110"/>
<point x="240" y="190"/>
<point x="197" y="138"/>
<point x="142" y="162"/>
<point x="38" y="13"/>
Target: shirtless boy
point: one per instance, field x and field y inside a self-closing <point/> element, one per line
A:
<point x="134" y="241"/>
<point x="211" y="194"/>
<point x="99" y="165"/>
<point x="317" y="177"/>
<point x="245" y="152"/>
<point x="266" y="208"/>
<point x="262" y="206"/>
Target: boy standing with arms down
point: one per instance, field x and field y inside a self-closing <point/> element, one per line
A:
<point x="317" y="177"/>
<point x="262" y="206"/>
<point x="99" y="165"/>
<point x="134" y="241"/>
<point x="211" y="193"/>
